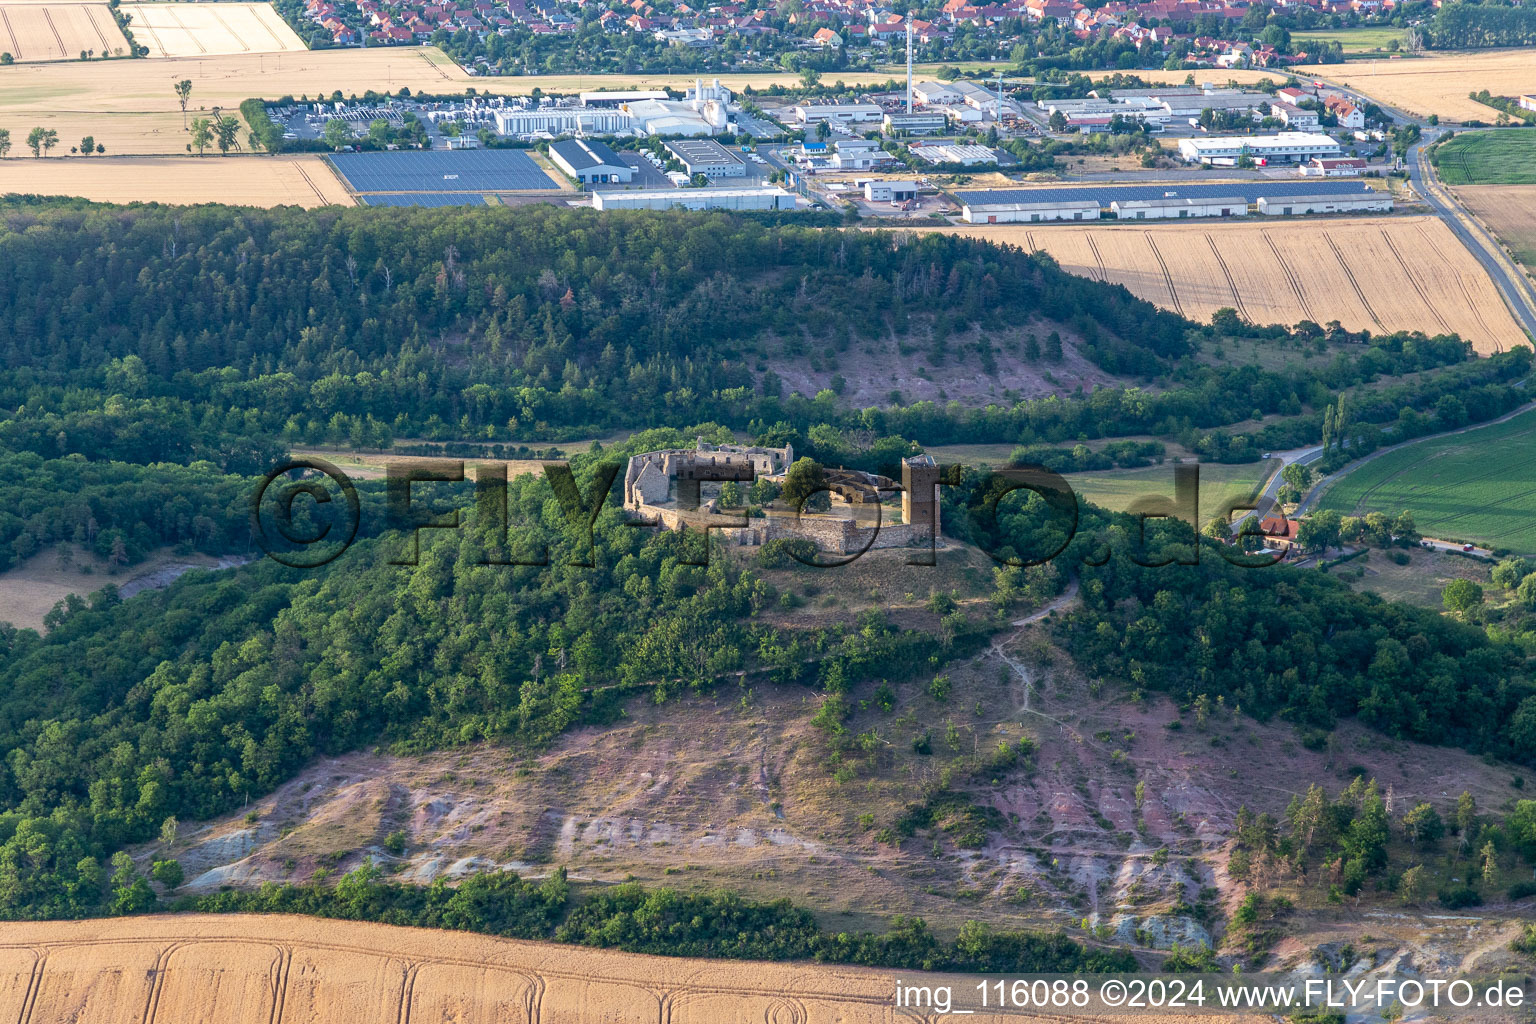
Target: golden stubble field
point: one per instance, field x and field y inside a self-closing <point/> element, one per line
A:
<point x="300" y="180"/>
<point x="1378" y="274"/>
<point x="129" y="106"/>
<point x="54" y="31"/>
<point x="1438" y="83"/>
<point x="249" y="969"/>
<point x="1509" y="211"/>
<point x="209" y="29"/>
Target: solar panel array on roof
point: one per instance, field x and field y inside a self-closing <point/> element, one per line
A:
<point x="424" y="199"/>
<point x="1106" y="194"/>
<point x="449" y="170"/>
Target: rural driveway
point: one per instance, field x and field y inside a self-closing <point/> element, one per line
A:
<point x="1451" y="545"/>
<point x="1506" y="276"/>
<point x="1267" y="496"/>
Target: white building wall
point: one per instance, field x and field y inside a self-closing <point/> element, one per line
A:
<point x="1281" y="206"/>
<point x="1027" y="214"/>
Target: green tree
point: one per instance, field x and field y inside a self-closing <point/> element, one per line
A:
<point x="337" y="134"/>
<point x="1490" y="860"/>
<point x="183" y="90"/>
<point x="1509" y="572"/>
<point x="168" y="873"/>
<point x="1423" y="825"/>
<point x="87" y="146"/>
<point x="226" y="131"/>
<point x="1526" y="591"/>
<point x="1466" y="819"/>
<point x="730" y="494"/>
<point x="5" y="141"/>
<point x="1320" y="530"/>
<point x="41" y="140"/>
<point x="202" y="134"/>
<point x="1461" y="596"/>
<point x="1413" y="888"/>
<point x="805" y="482"/>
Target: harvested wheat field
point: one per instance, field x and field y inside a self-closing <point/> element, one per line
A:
<point x="303" y="180"/>
<point x="1386" y="274"/>
<point x="209" y="29"/>
<point x="130" y="108"/>
<point x="1509" y="211"/>
<point x="1438" y="83"/>
<point x="251" y="969"/>
<point x="52" y="31"/>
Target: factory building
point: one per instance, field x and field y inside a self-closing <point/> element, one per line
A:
<point x="616" y="98"/>
<point x="848" y="113"/>
<point x="890" y="191"/>
<point x="1178" y="208"/>
<point x="590" y="163"/>
<point x="709" y="158"/>
<point x="554" y="120"/>
<point x="962" y="155"/>
<point x="696" y="199"/>
<point x="1029" y="212"/>
<point x="1286" y="206"/>
<point x="930" y="93"/>
<point x="920" y="123"/>
<point x="1286" y="147"/>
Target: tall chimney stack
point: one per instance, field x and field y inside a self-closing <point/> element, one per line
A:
<point x="909" y="62"/>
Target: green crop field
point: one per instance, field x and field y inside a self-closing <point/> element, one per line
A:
<point x="1354" y="40"/>
<point x="1503" y="157"/>
<point x="1118" y="489"/>
<point x="1477" y="486"/>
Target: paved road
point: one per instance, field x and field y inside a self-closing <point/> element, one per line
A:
<point x="1507" y="277"/>
<point x="1266" y="497"/>
<point x="1450" y="545"/>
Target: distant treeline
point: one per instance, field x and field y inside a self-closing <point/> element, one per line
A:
<point x="663" y="922"/>
<point x="1468" y="26"/>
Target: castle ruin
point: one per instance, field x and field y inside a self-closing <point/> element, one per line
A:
<point x="664" y="487"/>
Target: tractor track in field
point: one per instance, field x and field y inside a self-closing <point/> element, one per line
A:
<point x="48" y="17"/>
<point x="1397" y="255"/>
<point x="190" y="34"/>
<point x="1462" y="284"/>
<point x="90" y="16"/>
<point x="1178" y="307"/>
<point x="1237" y="299"/>
<point x="1350" y="276"/>
<point x="1098" y="258"/>
<point x="11" y="31"/>
<point x="1290" y="277"/>
<point x="244" y="47"/>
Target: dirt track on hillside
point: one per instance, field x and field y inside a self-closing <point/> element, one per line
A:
<point x="249" y="969"/>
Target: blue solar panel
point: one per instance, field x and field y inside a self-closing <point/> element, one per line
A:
<point x="1106" y="194"/>
<point x="424" y="199"/>
<point x="449" y="170"/>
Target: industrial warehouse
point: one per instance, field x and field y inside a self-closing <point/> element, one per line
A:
<point x="1164" y="201"/>
<point x="1285" y="147"/>
<point x="696" y="199"/>
<point x="707" y="157"/>
<point x="590" y="162"/>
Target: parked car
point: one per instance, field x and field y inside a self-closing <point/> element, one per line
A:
<point x="1468" y="547"/>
